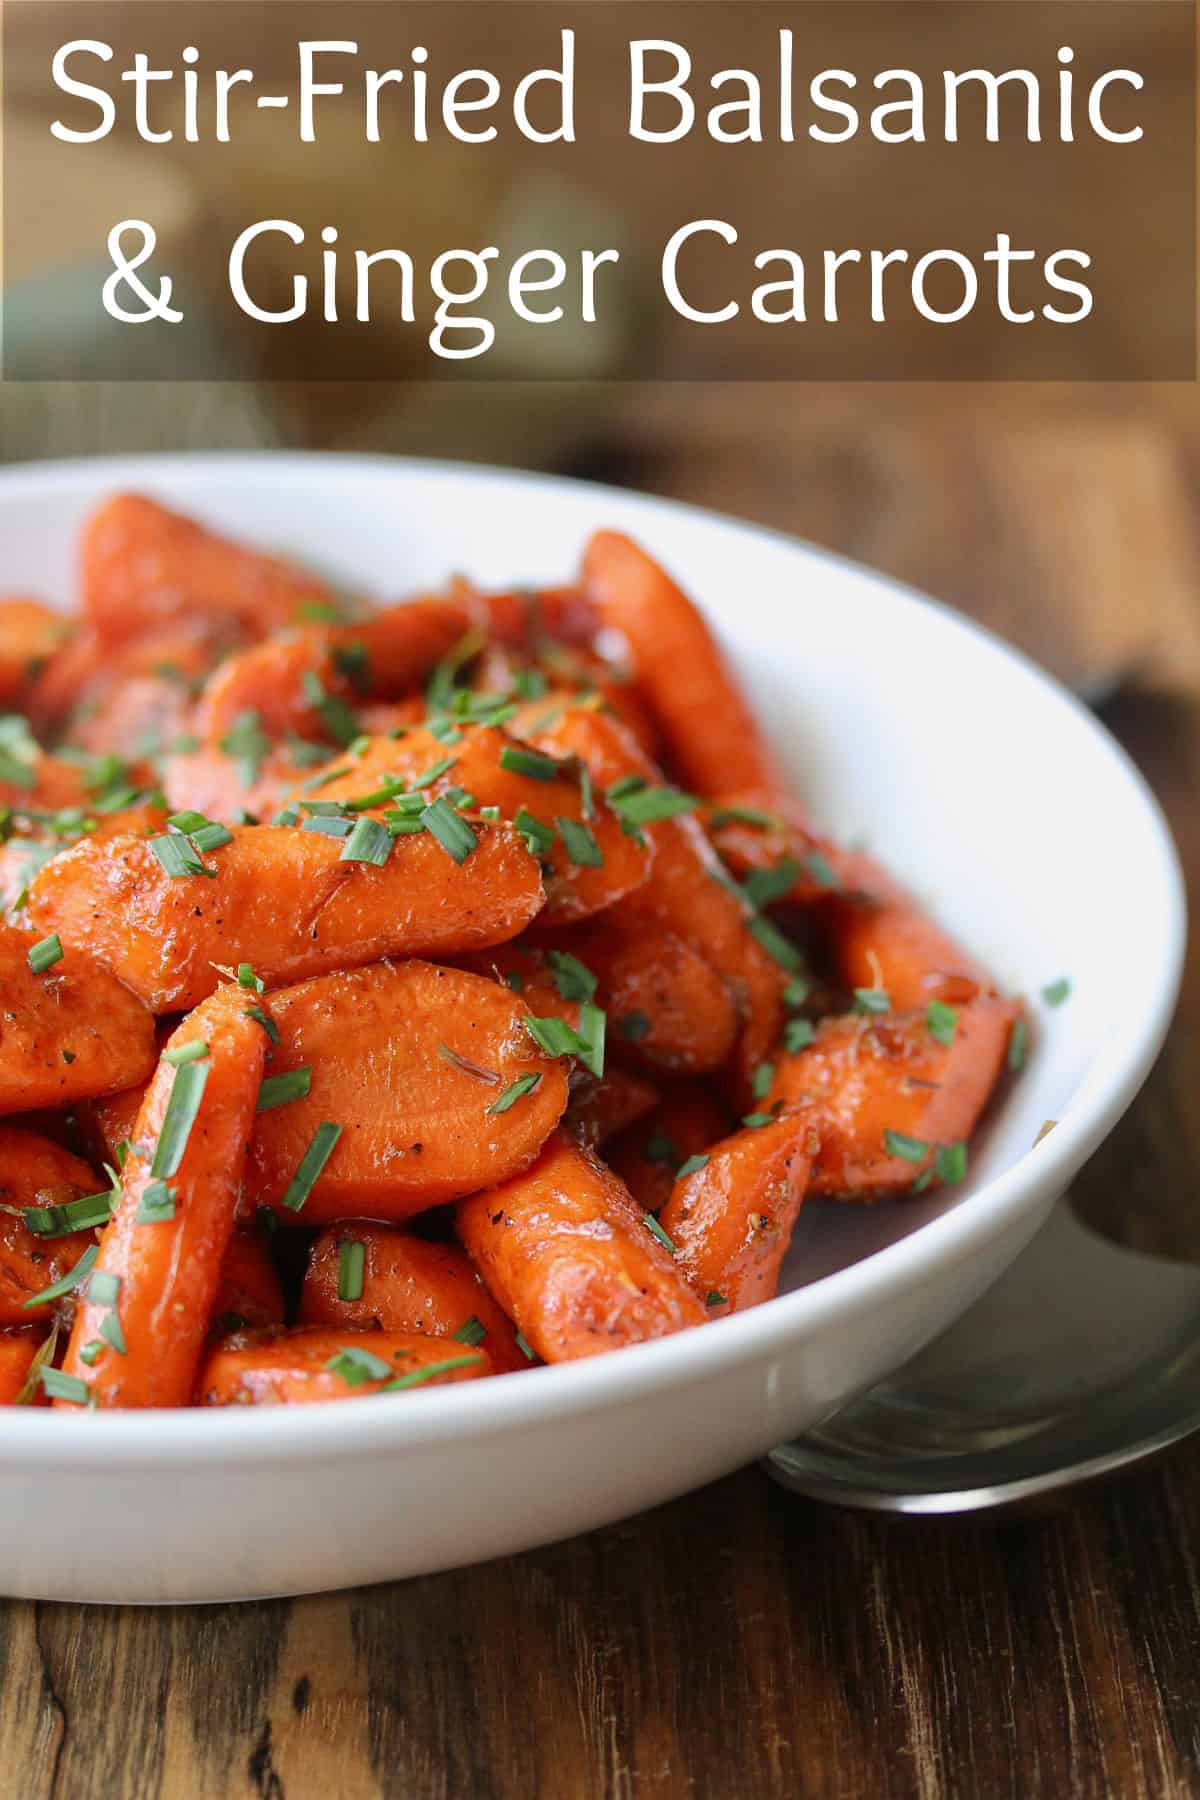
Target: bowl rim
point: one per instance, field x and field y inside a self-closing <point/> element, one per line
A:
<point x="363" y="1427"/>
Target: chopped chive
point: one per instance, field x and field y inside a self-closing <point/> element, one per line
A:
<point x="58" y="1385"/>
<point x="177" y="857"/>
<point x="941" y="1021"/>
<point x="743" y="815"/>
<point x="156" y="1204"/>
<point x="337" y="718"/>
<point x="459" y="798"/>
<point x="324" y="809"/>
<point x="391" y="787"/>
<point x="491" y="814"/>
<point x="525" y="1347"/>
<point x="517" y="1090"/>
<point x="71" y="1215"/>
<point x="950" y="1162"/>
<point x="433" y="773"/>
<point x="369" y="842"/>
<point x="265" y="1020"/>
<point x="762" y="886"/>
<point x="924" y="1180"/>
<point x="715" y="1299"/>
<point x="572" y="978"/>
<point x="1057" y="992"/>
<point x="776" y="945"/>
<point x="399" y="825"/>
<point x="286" y="816"/>
<point x="458" y="1061"/>
<point x="356" y="1365"/>
<point x="533" y="763"/>
<point x="909" y="1149"/>
<point x="104" y="1289"/>
<point x="196" y="1051"/>
<point x="822" y="871"/>
<point x="554" y="1036"/>
<point x="764" y="1075"/>
<point x="650" y="805"/>
<point x="444" y="731"/>
<point x="529" y="684"/>
<point x="246" y="978"/>
<point x="111" y="1332"/>
<point x="247" y="741"/>
<point x="329" y="827"/>
<point x="451" y="831"/>
<point x="352" y="1257"/>
<point x="659" y="1149"/>
<point x="755" y="1121"/>
<point x="326" y="778"/>
<point x="68" y="1283"/>
<point x="1018" y="1046"/>
<point x="187" y="822"/>
<point x="581" y="846"/>
<point x="592" y="1027"/>
<point x="538" y="836"/>
<point x="655" y="1229"/>
<point x="419" y="1376"/>
<point x="515" y="980"/>
<point x="872" y="1000"/>
<point x="634" y="1026"/>
<point x="279" y="1090"/>
<point x="43" y="956"/>
<point x="471" y="1332"/>
<point x="212" y="836"/>
<point x="692" y="1166"/>
<point x="354" y="662"/>
<point x="409" y="806"/>
<point x="91" y="1351"/>
<point x="628" y="784"/>
<point x="797" y="1035"/>
<point x="311" y="1163"/>
<point x="587" y="792"/>
<point x="187" y="1090"/>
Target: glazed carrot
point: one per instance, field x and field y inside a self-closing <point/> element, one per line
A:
<point x="36" y="1173"/>
<point x="412" y="1061"/>
<point x="268" y="680"/>
<point x="249" y="1292"/>
<point x="879" y="937"/>
<point x="17" y="1351"/>
<point x="398" y="1282"/>
<point x="283" y="899"/>
<point x="29" y="634"/>
<point x="731" y="1220"/>
<point x="229" y="787"/>
<point x="292" y="1368"/>
<point x="68" y="1034"/>
<point x="568" y="1256"/>
<point x="887" y="1093"/>
<point x="600" y="1108"/>
<point x="589" y="861"/>
<point x="139" y="1331"/>
<point x="686" y="1122"/>
<point x="687" y="892"/>
<point x="527" y="618"/>
<point x="710" y="731"/>
<point x="143" y="566"/>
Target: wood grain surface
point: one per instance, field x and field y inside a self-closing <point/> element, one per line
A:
<point x="739" y="1643"/>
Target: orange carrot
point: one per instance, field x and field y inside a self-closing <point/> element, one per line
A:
<point x="731" y="1219"/>
<point x="600" y="1108"/>
<point x="711" y="733"/>
<point x="139" y="1331"/>
<point x="17" y="1351"/>
<point x="142" y="567"/>
<point x="36" y="1173"/>
<point x="282" y="899"/>
<point x="300" y="1367"/>
<point x="404" y="1283"/>
<point x="226" y="786"/>
<point x="412" y="1062"/>
<point x="887" y="1095"/>
<point x="29" y="635"/>
<point x="249" y="1293"/>
<point x="687" y="1121"/>
<point x="879" y="937"/>
<point x="567" y="1254"/>
<point x="68" y="1034"/>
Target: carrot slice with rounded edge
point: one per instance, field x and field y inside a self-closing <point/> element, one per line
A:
<point x="292" y="1368"/>
<point x="886" y="1094"/>
<point x="880" y="937"/>
<point x="731" y="1221"/>
<point x="687" y="891"/>
<point x="142" y="566"/>
<point x="68" y="1034"/>
<point x="405" y="1283"/>
<point x="29" y="635"/>
<point x="570" y="1259"/>
<point x="589" y="861"/>
<point x="283" y="900"/>
<point x="686" y="1122"/>
<point x="139" y="1331"/>
<point x="17" y="1351"/>
<point x="249" y="1292"/>
<point x="36" y="1173"/>
<point x="712" y="735"/>
<point x="410" y="1060"/>
<point x="602" y="1107"/>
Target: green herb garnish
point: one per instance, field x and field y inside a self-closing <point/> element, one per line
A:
<point x="43" y="956"/>
<point x="311" y="1164"/>
<point x="655" y="1229"/>
<point x="352" y="1257"/>
<point x="187" y="1089"/>
<point x="941" y="1021"/>
<point x="692" y="1166"/>
<point x="279" y="1090"/>
<point x="517" y="1090"/>
<point x="451" y="831"/>
<point x="909" y="1149"/>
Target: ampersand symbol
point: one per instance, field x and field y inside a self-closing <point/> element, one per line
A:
<point x="158" y="305"/>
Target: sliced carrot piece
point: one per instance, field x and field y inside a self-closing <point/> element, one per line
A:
<point x="283" y="900"/>
<point x="143" y="566"/>
<point x="36" y="1173"/>
<point x="712" y="735"/>
<point x="731" y="1221"/>
<point x="139" y="1331"/>
<point x="602" y="1107"/>
<point x="69" y="1034"/>
<point x="880" y="937"/>
<point x="29" y="635"/>
<point x="405" y="1283"/>
<point x="249" y="1292"/>
<point x="567" y="1254"/>
<point x="292" y="1368"/>
<point x="410" y="1060"/>
<point x="109" y="1122"/>
<point x="686" y="1122"/>
<point x="17" y="1351"/>
<point x="886" y="1093"/>
<point x="588" y="860"/>
<point x="226" y="786"/>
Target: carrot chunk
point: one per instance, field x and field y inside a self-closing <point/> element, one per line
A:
<point x="647" y="1157"/>
<point x="35" y="1173"/>
<point x="69" y="1033"/>
<point x="29" y="635"/>
<point x="300" y="1367"/>
<point x="249" y="1293"/>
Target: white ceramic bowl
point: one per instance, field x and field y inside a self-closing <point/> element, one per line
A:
<point x="986" y="786"/>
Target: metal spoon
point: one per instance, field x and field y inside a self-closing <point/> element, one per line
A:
<point x="1084" y="1359"/>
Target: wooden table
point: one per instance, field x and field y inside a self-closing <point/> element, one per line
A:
<point x="741" y="1644"/>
